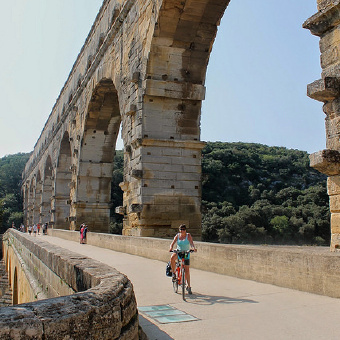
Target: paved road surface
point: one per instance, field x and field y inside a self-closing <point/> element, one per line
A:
<point x="226" y="307"/>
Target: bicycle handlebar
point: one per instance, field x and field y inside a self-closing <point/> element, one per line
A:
<point x="182" y="251"/>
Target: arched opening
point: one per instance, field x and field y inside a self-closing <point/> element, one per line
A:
<point x="61" y="201"/>
<point x="189" y="38"/>
<point x="93" y="194"/>
<point x="31" y="203"/>
<point x="25" y="207"/>
<point x="257" y="78"/>
<point x="7" y="261"/>
<point x="47" y="192"/>
<point x="37" y="205"/>
<point x="15" y="287"/>
<point x="172" y="107"/>
<point x="186" y="41"/>
<point x="9" y="273"/>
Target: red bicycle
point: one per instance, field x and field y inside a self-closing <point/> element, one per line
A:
<point x="180" y="271"/>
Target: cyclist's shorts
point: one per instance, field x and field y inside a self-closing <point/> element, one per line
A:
<point x="186" y="257"/>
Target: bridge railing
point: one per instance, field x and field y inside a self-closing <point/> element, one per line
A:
<point x="104" y="305"/>
<point x="309" y="269"/>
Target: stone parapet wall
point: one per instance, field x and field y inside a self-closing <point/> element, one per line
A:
<point x="310" y="269"/>
<point x="5" y="291"/>
<point x="103" y="307"/>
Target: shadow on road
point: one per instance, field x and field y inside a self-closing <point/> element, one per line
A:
<point x="201" y="299"/>
<point x="152" y="331"/>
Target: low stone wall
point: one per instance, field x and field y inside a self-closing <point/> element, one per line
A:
<point x="104" y="306"/>
<point x="311" y="269"/>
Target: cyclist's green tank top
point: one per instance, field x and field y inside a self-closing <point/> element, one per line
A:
<point x="183" y="245"/>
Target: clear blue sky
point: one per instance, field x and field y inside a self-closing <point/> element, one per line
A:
<point x="261" y="63"/>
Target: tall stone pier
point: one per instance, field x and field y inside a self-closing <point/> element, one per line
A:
<point x="326" y="25"/>
<point x="142" y="68"/>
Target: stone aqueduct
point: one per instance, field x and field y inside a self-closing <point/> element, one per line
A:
<point x="143" y="68"/>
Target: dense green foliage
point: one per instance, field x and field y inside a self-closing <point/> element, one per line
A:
<point x="252" y="193"/>
<point x="116" y="224"/>
<point x="11" y="168"/>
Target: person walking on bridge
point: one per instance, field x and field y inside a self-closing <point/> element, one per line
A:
<point x="184" y="241"/>
<point x="85" y="234"/>
<point x="35" y="229"/>
<point x="82" y="226"/>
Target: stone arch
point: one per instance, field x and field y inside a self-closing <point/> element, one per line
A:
<point x="31" y="202"/>
<point x="9" y="273"/>
<point x="89" y="62"/>
<point x="100" y="41"/>
<point x="47" y="191"/>
<point x="168" y="178"/>
<point x="93" y="194"/>
<point x="79" y="81"/>
<point x="189" y="38"/>
<point x="61" y="200"/>
<point x="7" y="261"/>
<point x="38" y="198"/>
<point x="26" y="199"/>
<point x="15" y="287"/>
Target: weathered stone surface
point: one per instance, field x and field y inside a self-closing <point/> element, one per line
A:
<point x="329" y="40"/>
<point x="326" y="161"/>
<point x="20" y="323"/>
<point x="5" y="290"/>
<point x="324" y="20"/>
<point x="143" y="68"/>
<point x="310" y="269"/>
<point x="335" y="221"/>
<point x="104" y="306"/>
<point x="333" y="185"/>
<point x="326" y="25"/>
<point x="324" y="89"/>
<point x="324" y="4"/>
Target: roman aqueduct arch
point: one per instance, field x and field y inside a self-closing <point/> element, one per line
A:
<point x="143" y="68"/>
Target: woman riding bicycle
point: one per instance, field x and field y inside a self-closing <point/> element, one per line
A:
<point x="184" y="241"/>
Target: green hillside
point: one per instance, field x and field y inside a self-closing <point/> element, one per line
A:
<point x="251" y="193"/>
<point x="11" y="168"/>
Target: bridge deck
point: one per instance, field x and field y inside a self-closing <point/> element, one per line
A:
<point x="226" y="307"/>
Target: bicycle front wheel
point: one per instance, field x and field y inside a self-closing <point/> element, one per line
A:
<point x="183" y="283"/>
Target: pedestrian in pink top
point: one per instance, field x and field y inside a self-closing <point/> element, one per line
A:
<point x="82" y="233"/>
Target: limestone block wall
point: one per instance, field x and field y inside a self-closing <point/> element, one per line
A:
<point x="142" y="67"/>
<point x="72" y="159"/>
<point x="102" y="306"/>
<point x="326" y="25"/>
<point x="309" y="269"/>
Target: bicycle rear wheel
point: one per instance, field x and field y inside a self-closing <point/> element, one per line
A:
<point x="175" y="283"/>
<point x="183" y="283"/>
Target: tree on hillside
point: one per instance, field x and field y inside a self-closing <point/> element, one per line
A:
<point x="251" y="193"/>
<point x="11" y="168"/>
<point x="116" y="224"/>
<point x="276" y="197"/>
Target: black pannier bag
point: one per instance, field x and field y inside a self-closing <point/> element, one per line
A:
<point x="168" y="271"/>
